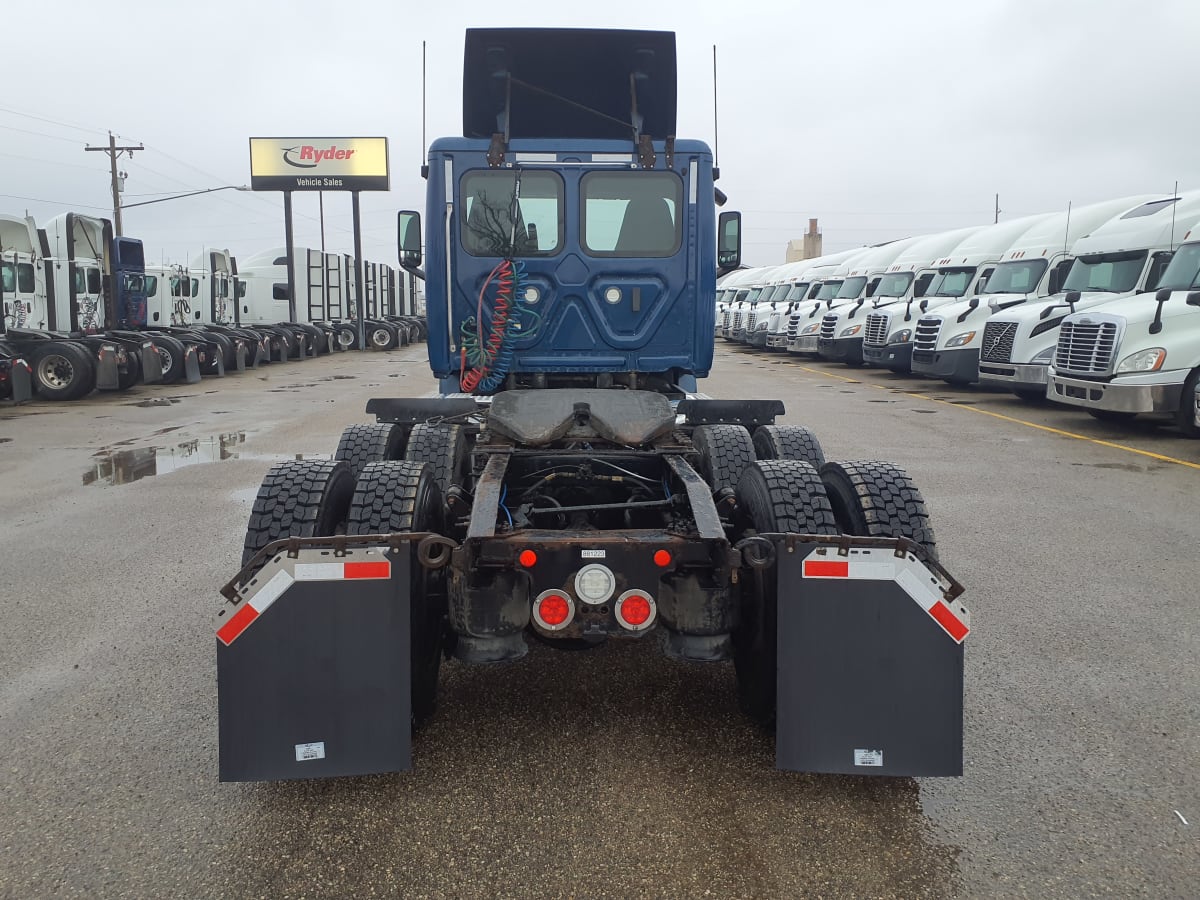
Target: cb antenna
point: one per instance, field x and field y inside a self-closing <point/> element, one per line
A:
<point x="424" y="165"/>
<point x="716" y="133"/>
<point x="1174" y="203"/>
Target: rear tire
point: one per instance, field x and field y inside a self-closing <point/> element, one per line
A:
<point x="63" y="370"/>
<point x="299" y="498"/>
<point x="788" y="442"/>
<point x="878" y="499"/>
<point x="170" y="355"/>
<point x="363" y="444"/>
<point x="346" y="336"/>
<point x="403" y="496"/>
<point x="380" y="337"/>
<point x="133" y="371"/>
<point x="443" y="447"/>
<point x="778" y="495"/>
<point x="725" y="452"/>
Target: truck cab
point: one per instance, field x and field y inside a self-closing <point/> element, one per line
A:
<point x="825" y="278"/>
<point x="1124" y="256"/>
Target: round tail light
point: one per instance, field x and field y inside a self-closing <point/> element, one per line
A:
<point x="553" y="610"/>
<point x="635" y="610"/>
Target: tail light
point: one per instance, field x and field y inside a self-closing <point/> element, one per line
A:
<point x="635" y="610"/>
<point x="553" y="610"/>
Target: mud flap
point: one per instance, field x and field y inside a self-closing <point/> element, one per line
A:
<point x="152" y="372"/>
<point x="191" y="365"/>
<point x="240" y="352"/>
<point x="870" y="666"/>
<point x="313" y="669"/>
<point x="20" y="377"/>
<point x="108" y="376"/>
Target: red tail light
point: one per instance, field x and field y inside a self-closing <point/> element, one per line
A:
<point x="553" y="610"/>
<point x="635" y="610"/>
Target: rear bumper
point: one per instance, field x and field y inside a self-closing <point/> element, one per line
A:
<point x="1018" y="377"/>
<point x="949" y="365"/>
<point x="847" y="350"/>
<point x="1152" y="393"/>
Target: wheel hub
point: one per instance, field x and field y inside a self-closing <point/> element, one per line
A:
<point x="56" y="371"/>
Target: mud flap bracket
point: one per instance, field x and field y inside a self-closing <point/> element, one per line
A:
<point x="313" y="680"/>
<point x="870" y="666"/>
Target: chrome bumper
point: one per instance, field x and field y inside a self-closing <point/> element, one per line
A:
<point x="777" y="341"/>
<point x="1133" y="393"/>
<point x="1014" y="376"/>
<point x="804" y="344"/>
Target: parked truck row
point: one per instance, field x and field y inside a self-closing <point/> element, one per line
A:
<point x="83" y="311"/>
<point x="1096" y="307"/>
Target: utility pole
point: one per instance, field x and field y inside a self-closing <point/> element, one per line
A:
<point x="114" y="152"/>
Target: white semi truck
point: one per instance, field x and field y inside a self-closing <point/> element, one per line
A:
<point x="961" y="272"/>
<point x="1126" y="255"/>
<point x="1034" y="267"/>
<point x="1139" y="355"/>
<point x="772" y="303"/>
<point x="796" y="285"/>
<point x="841" y="334"/>
<point x="804" y="326"/>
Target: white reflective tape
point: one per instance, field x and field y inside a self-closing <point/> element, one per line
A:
<point x="319" y="571"/>
<point x="872" y="570"/>
<point x="270" y="592"/>
<point x="535" y="157"/>
<point x="918" y="588"/>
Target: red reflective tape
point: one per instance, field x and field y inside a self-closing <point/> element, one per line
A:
<point x="823" y="568"/>
<point x="948" y="620"/>
<point x="237" y="623"/>
<point x="380" y="569"/>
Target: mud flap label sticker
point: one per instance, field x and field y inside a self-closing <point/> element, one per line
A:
<point x="316" y="750"/>
<point x="861" y="757"/>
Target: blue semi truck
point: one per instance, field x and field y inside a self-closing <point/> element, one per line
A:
<point x="569" y="485"/>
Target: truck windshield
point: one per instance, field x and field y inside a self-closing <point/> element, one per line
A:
<point x="797" y="291"/>
<point x="829" y="290"/>
<point x="1020" y="276"/>
<point x="950" y="283"/>
<point x="852" y="287"/>
<point x="1115" y="273"/>
<point x="1184" y="271"/>
<point x="631" y="213"/>
<point x="755" y="293"/>
<point x="488" y="205"/>
<point x="894" y="284"/>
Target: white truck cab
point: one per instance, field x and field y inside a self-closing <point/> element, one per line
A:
<point x="797" y="284"/>
<point x="22" y="287"/>
<point x="735" y="301"/>
<point x="743" y="307"/>
<point x="1124" y="256"/>
<point x="890" y="321"/>
<point x="825" y="281"/>
<point x="772" y="306"/>
<point x="841" y="334"/>
<point x="1139" y="355"/>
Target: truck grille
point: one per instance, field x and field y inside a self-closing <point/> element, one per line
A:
<point x="828" y="326"/>
<point x="1086" y="348"/>
<point x="725" y="319"/>
<point x="793" y="329"/>
<point x="750" y="320"/>
<point x="927" y="333"/>
<point x="737" y="320"/>
<point x="998" y="340"/>
<point x="877" y="329"/>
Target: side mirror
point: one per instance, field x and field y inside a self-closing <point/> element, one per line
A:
<point x="1193" y="299"/>
<point x="408" y="232"/>
<point x="729" y="242"/>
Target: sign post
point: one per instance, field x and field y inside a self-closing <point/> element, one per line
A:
<point x="352" y="164"/>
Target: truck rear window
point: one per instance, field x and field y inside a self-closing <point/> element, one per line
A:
<point x="632" y="213"/>
<point x="489" y="200"/>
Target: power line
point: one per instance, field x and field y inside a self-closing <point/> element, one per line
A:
<point x="55" y="202"/>
<point x="56" y="137"/>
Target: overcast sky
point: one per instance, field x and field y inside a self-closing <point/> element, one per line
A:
<point x="882" y="120"/>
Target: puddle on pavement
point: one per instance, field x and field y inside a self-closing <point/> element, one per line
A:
<point x="125" y="466"/>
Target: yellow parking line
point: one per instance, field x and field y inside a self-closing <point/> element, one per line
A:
<point x="995" y="415"/>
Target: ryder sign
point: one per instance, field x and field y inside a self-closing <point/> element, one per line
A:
<point x="319" y="164"/>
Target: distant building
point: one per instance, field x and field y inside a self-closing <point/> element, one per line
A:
<point x="808" y="247"/>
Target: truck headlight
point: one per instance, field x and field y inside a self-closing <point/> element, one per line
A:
<point x="851" y="331"/>
<point x="1150" y="360"/>
<point x="960" y="339"/>
<point x="901" y="337"/>
<point x="811" y="329"/>
<point x="761" y="326"/>
<point x="1045" y="357"/>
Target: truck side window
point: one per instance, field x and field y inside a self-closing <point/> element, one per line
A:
<point x="923" y="284"/>
<point x="151" y="285"/>
<point x="1058" y="275"/>
<point x="634" y="214"/>
<point x="1158" y="265"/>
<point x="488" y="226"/>
<point x="195" y="288"/>
<point x="25" y="278"/>
<point x="279" y="292"/>
<point x="93" y="281"/>
<point x="8" y="279"/>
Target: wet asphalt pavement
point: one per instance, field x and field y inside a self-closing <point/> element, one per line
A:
<point x="614" y="772"/>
